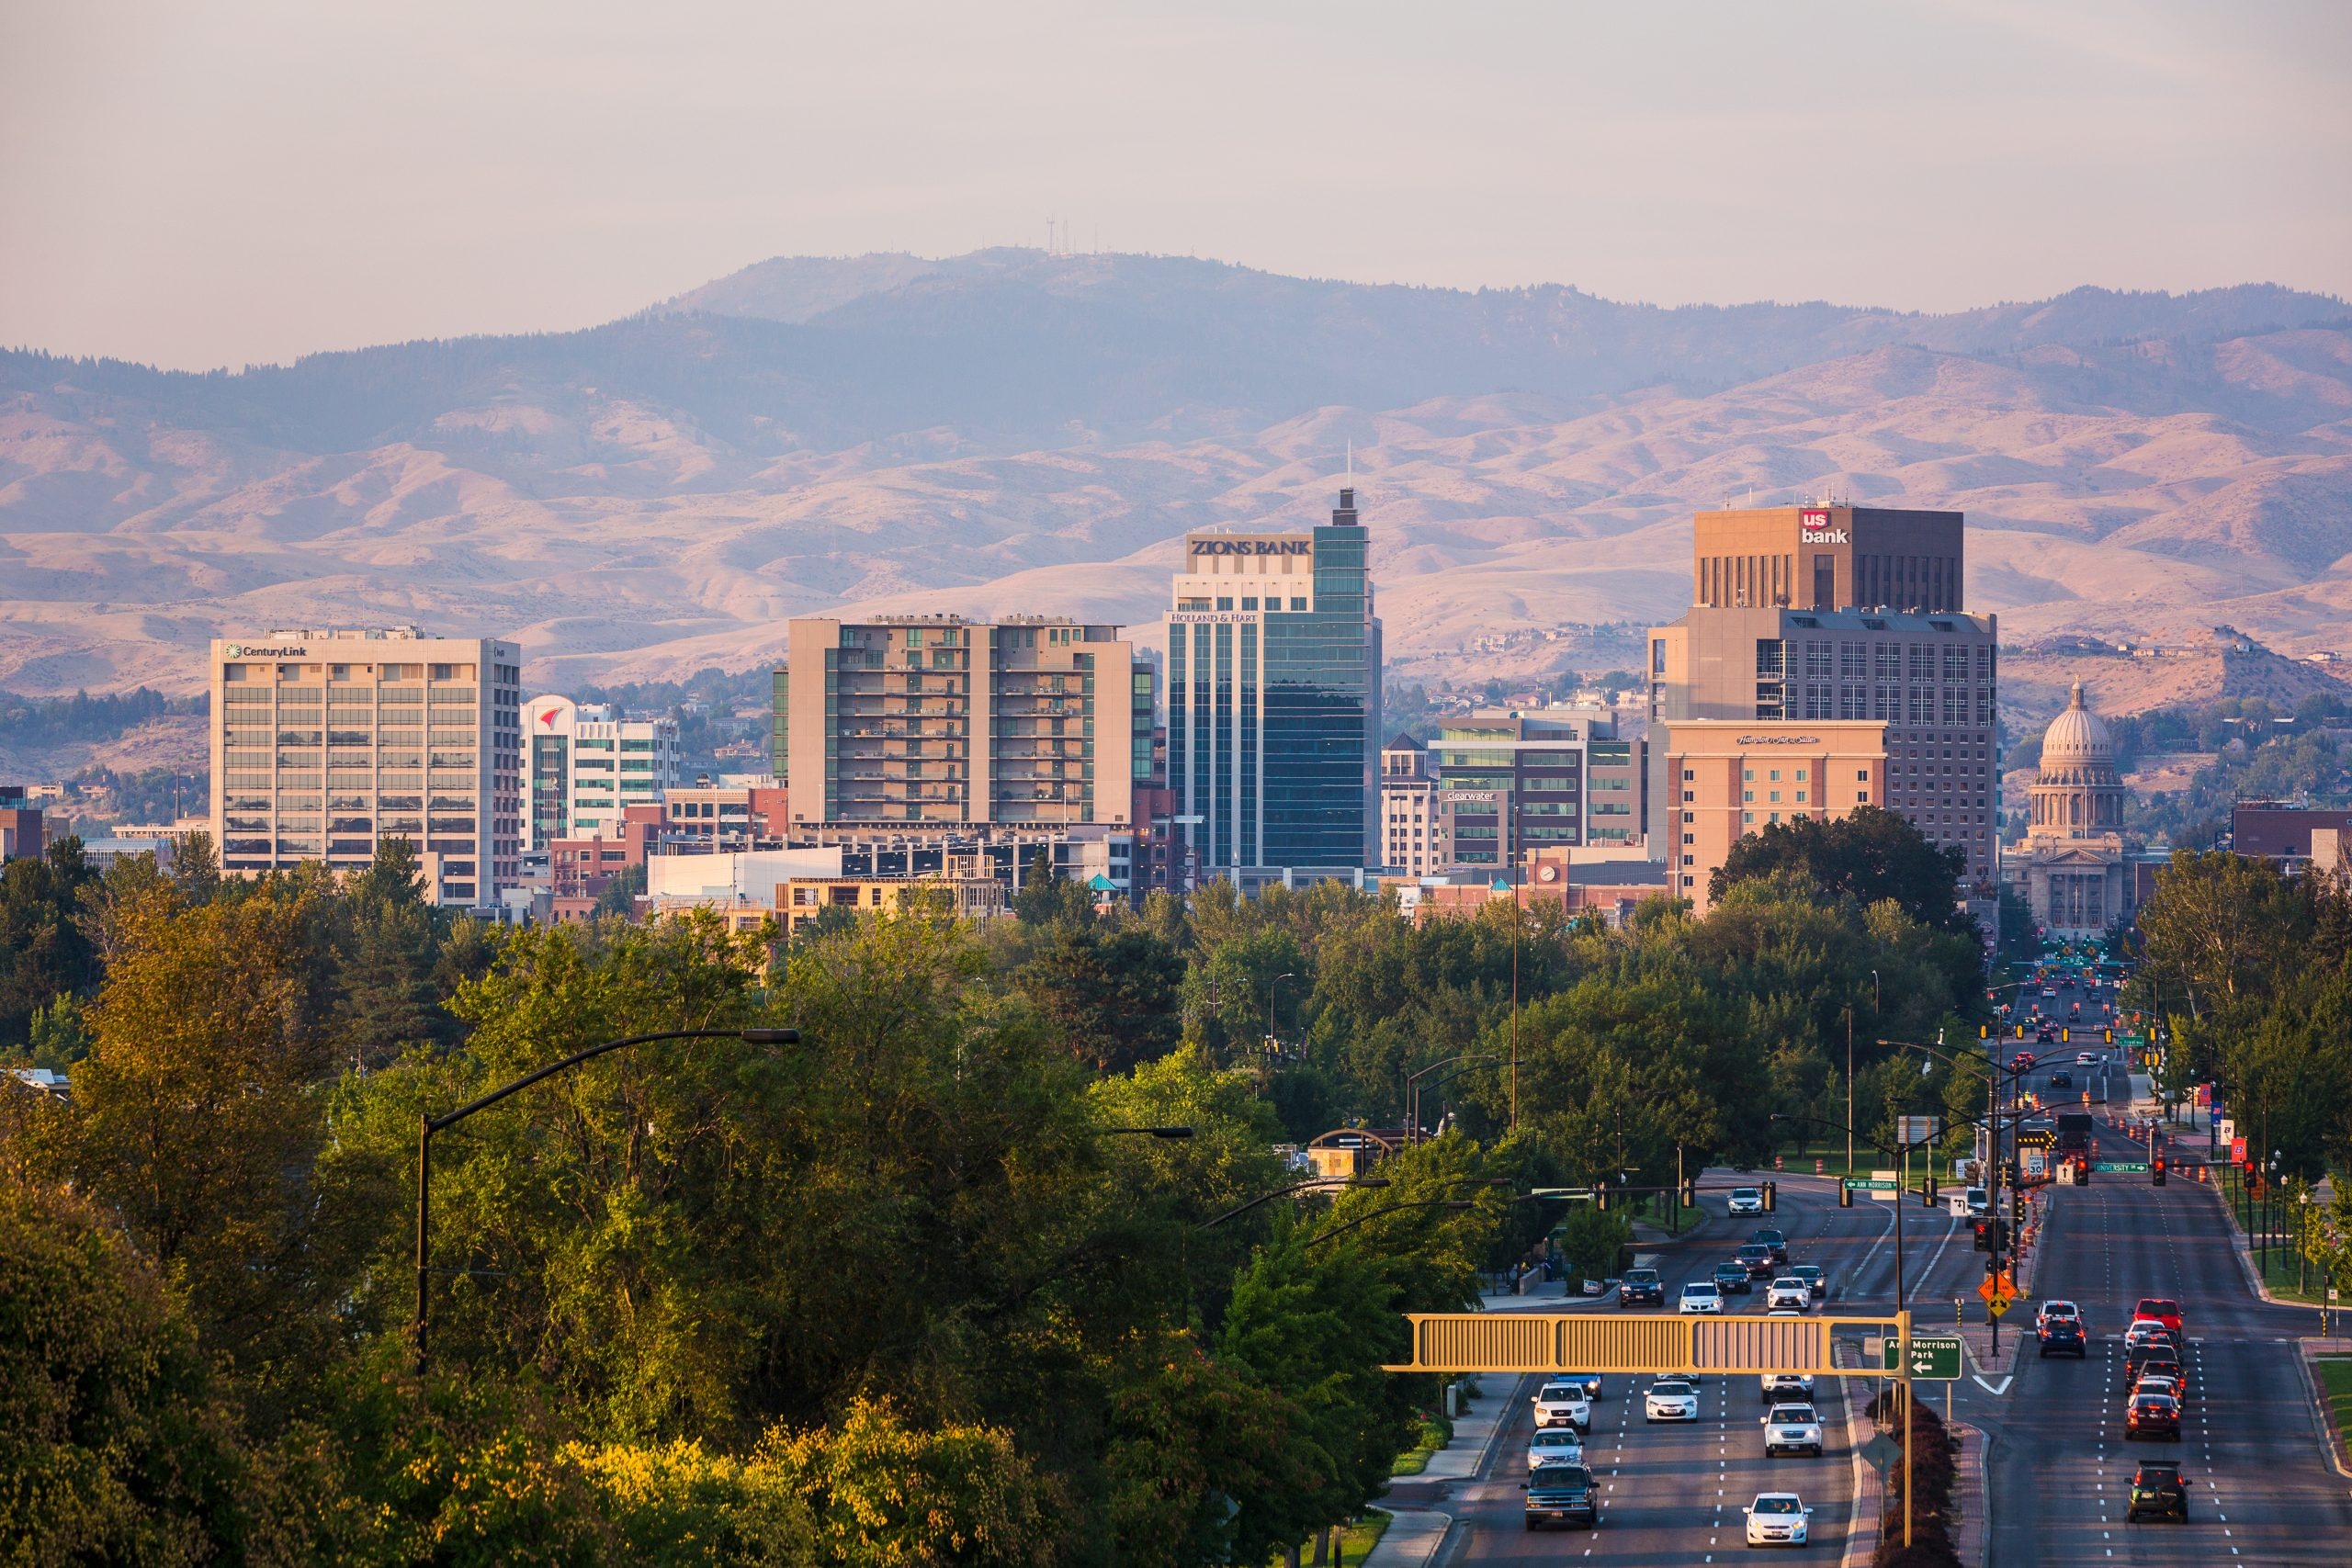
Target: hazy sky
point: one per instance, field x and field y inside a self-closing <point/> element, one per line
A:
<point x="247" y="180"/>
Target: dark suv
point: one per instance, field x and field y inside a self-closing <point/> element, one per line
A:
<point x="1640" y="1287"/>
<point x="1730" y="1277"/>
<point x="1560" y="1494"/>
<point x="1772" y="1238"/>
<point x="2157" y="1489"/>
<point x="2063" y="1337"/>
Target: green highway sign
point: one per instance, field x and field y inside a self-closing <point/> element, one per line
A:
<point x="1934" y="1358"/>
<point x="1868" y="1184"/>
<point x="2122" y="1167"/>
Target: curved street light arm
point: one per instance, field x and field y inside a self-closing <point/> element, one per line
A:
<point x="1392" y="1209"/>
<point x="1295" y="1186"/>
<point x="428" y="1124"/>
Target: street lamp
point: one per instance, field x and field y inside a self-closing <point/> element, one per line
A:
<point x="1454" y="1204"/>
<point x="1322" y="1182"/>
<point x="1413" y="1088"/>
<point x="428" y="1124"/>
<point x="1273" y="1033"/>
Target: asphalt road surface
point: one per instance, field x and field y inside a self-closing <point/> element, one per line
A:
<point x="2263" y="1490"/>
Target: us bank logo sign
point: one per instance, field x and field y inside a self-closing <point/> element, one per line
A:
<point x="1814" y="529"/>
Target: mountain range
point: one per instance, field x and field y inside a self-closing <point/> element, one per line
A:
<point x="1019" y="431"/>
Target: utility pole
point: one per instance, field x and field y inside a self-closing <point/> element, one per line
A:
<point x="1514" y="999"/>
<point x="1849" y="1089"/>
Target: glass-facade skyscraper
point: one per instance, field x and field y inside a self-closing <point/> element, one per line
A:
<point x="1273" y="701"/>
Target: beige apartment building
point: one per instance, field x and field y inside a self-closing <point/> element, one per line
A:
<point x="326" y="743"/>
<point x="1412" y="833"/>
<point x="1728" y="778"/>
<point x="932" y="722"/>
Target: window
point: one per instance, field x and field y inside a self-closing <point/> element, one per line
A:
<point x="1249" y="602"/>
<point x="1748" y="795"/>
<point x="1297" y="604"/>
<point x="1225" y="602"/>
<point x="1775" y="777"/>
<point x="1747" y="775"/>
<point x="1689" y="774"/>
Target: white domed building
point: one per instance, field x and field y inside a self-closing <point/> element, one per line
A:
<point x="2076" y="869"/>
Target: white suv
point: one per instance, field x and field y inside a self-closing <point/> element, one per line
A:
<point x="1791" y="1429"/>
<point x="1786" y="1388"/>
<point x="1700" y="1295"/>
<point x="1746" y="1200"/>
<point x="1564" y="1404"/>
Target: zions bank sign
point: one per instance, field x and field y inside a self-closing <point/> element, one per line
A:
<point x="1253" y="547"/>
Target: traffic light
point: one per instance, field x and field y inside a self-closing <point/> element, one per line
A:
<point x="1845" y="1195"/>
<point x="1601" y="1196"/>
<point x="2156" y="1170"/>
<point x="2111" y="1037"/>
<point x="1928" y="1191"/>
<point x="1984" y="1229"/>
<point x="2065" y="1034"/>
<point x="1691" y="1192"/>
<point x="1984" y="1031"/>
<point x="1772" y="1197"/>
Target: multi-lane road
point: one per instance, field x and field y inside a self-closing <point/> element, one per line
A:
<point x="2057" y="1465"/>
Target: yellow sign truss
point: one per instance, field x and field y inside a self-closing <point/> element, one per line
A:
<point x="1593" y="1342"/>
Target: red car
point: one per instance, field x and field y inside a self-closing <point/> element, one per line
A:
<point x="2022" y="1060"/>
<point x="2153" y="1415"/>
<point x="2158" y="1309"/>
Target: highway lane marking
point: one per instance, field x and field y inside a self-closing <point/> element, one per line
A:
<point x="1989" y="1388"/>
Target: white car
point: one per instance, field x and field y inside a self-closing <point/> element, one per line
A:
<point x="2085" y="1059"/>
<point x="1789" y="1293"/>
<point x="1700" y="1295"/>
<point x="1670" y="1400"/>
<point x="1787" y="1388"/>
<point x="1555" y="1445"/>
<point x="1747" y="1200"/>
<point x="1777" y="1518"/>
<point x="1564" y="1404"/>
<point x="1791" y="1429"/>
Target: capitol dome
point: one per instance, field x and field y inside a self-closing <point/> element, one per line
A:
<point x="2078" y="792"/>
<point x="2076" y="738"/>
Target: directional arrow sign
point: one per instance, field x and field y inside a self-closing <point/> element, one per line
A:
<point x="2122" y="1167"/>
<point x="1933" y="1355"/>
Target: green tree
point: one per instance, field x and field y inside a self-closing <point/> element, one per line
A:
<point x="1108" y="996"/>
<point x="1048" y="898"/>
<point x="112" y="1448"/>
<point x="44" y="953"/>
<point x="194" y="1120"/>
<point x="1871" y="852"/>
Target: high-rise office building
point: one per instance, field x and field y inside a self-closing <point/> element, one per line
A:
<point x="1273" y="700"/>
<point x="1827" y="558"/>
<point x="325" y="743"/>
<point x="581" y="766"/>
<point x="933" y="722"/>
<point x="1773" y="640"/>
